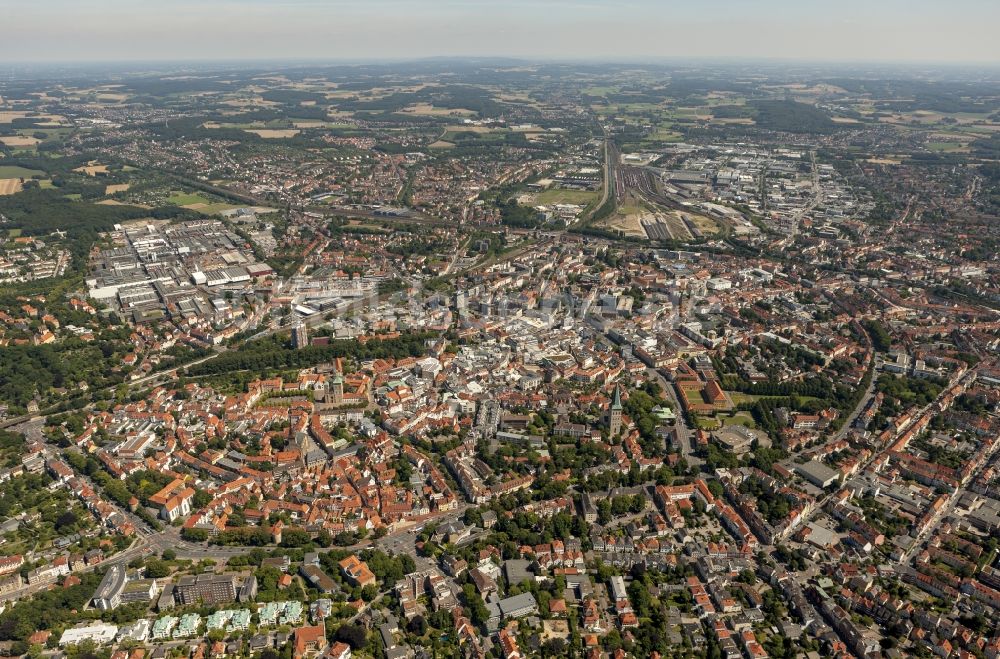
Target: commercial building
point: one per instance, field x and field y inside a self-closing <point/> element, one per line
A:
<point x="119" y="587"/>
<point x="817" y="473"/>
<point x="518" y="606"/>
<point x="109" y="592"/>
<point x="213" y="589"/>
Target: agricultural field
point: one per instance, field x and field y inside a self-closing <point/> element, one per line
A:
<point x="106" y="97"/>
<point x="312" y="124"/>
<point x="471" y="129"/>
<point x="274" y="133"/>
<point x="471" y="134"/>
<point x="12" y="171"/>
<point x="10" y="186"/>
<point x="50" y="133"/>
<point x="950" y="141"/>
<point x="427" y="110"/>
<point x="8" y="116"/>
<point x="92" y="169"/>
<point x="19" y="141"/>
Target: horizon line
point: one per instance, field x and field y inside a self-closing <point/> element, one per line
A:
<point x="499" y="58"/>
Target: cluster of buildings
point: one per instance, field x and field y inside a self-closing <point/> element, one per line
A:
<point x="783" y="185"/>
<point x="715" y="435"/>
<point x="24" y="258"/>
<point x="195" y="273"/>
<point x="285" y="455"/>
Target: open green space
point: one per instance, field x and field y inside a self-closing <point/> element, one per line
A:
<point x="739" y="419"/>
<point x="13" y="171"/>
<point x="51" y="134"/>
<point x="199" y="202"/>
<point x="739" y="398"/>
<point x="707" y="423"/>
<point x="578" y="197"/>
<point x="945" y="147"/>
<point x="186" y="199"/>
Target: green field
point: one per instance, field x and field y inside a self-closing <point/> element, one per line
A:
<point x="204" y="204"/>
<point x="276" y="124"/>
<point x="707" y="423"/>
<point x="51" y="134"/>
<point x="599" y="91"/>
<point x="578" y="197"/>
<point x="316" y="123"/>
<point x="945" y="147"/>
<point x="212" y="209"/>
<point x="12" y="171"/>
<point x="186" y="199"/>
<point x="664" y="135"/>
<point x="739" y="418"/>
<point x="738" y="397"/>
<point x="473" y="136"/>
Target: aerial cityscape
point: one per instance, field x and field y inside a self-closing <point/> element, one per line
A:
<point x="499" y="355"/>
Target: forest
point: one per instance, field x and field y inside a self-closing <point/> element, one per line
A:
<point x="27" y="371"/>
<point x="792" y="117"/>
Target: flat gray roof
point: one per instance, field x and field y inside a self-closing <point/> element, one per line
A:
<point x="817" y="472"/>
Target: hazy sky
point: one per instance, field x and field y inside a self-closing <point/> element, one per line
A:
<point x="849" y="30"/>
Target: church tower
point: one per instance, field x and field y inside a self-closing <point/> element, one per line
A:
<point x="337" y="389"/>
<point x="615" y="413"/>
